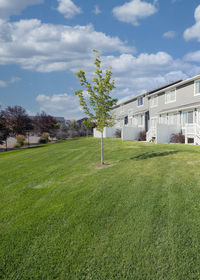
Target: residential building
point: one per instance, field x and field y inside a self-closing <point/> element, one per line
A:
<point x="162" y="112"/>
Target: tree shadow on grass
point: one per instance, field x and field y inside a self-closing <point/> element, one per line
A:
<point x="153" y="154"/>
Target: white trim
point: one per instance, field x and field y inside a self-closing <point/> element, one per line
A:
<point x="154" y="118"/>
<point x="196" y="94"/>
<point x="169" y="91"/>
<point x="142" y="101"/>
<point x="187" y="111"/>
<point x="155" y="97"/>
<point x="142" y="118"/>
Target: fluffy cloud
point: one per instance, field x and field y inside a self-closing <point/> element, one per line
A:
<point x="193" y="56"/>
<point x="47" y="47"/>
<point x="68" y="8"/>
<point x="170" y="34"/>
<point x="133" y="11"/>
<point x="140" y="73"/>
<point x="60" y="105"/>
<point x="10" y="7"/>
<point x="194" y="31"/>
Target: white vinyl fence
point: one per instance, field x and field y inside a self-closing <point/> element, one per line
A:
<point x="108" y="132"/>
<point x="131" y="133"/>
<point x="165" y="131"/>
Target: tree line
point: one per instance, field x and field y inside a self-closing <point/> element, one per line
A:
<point x="14" y="121"/>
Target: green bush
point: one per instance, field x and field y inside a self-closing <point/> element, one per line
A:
<point x="43" y="140"/>
<point x="20" y="140"/>
<point x="17" y="145"/>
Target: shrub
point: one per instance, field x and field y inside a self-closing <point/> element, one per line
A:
<point x="178" y="138"/>
<point x="45" y="138"/>
<point x="118" y="133"/>
<point x="45" y="135"/>
<point x="142" y="136"/>
<point x="20" y="140"/>
<point x="17" y="145"/>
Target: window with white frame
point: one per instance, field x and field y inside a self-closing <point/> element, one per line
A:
<point x="187" y="117"/>
<point x="197" y="87"/>
<point x="153" y="101"/>
<point x="140" y="101"/>
<point x="170" y="96"/>
<point x="140" y="120"/>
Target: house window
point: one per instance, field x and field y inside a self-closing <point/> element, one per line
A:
<point x="170" y="96"/>
<point x="140" y="101"/>
<point x="197" y="87"/>
<point x="126" y="120"/>
<point x="187" y="117"/>
<point x="140" y="120"/>
<point x="153" y="101"/>
<point x="172" y="118"/>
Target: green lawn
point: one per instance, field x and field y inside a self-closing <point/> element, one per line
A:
<point x="61" y="217"/>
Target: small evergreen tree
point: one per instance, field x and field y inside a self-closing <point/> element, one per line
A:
<point x="100" y="102"/>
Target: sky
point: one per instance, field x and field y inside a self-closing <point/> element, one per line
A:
<point x="44" y="43"/>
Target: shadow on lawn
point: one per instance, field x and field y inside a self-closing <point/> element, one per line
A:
<point x="153" y="154"/>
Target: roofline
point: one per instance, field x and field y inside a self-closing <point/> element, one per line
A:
<point x="179" y="84"/>
<point x="159" y="90"/>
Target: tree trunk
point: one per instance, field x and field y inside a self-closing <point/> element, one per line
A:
<point x="102" y="160"/>
<point x="6" y="145"/>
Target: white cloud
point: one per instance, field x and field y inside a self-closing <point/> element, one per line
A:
<point x="3" y="83"/>
<point x="194" y="31"/>
<point x="144" y="72"/>
<point x="193" y="56"/>
<point x="96" y="10"/>
<point x="170" y="34"/>
<point x="14" y="7"/>
<point x="68" y="8"/>
<point x="60" y="105"/>
<point x="133" y="11"/>
<point x="48" y="47"/>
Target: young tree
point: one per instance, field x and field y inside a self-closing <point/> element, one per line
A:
<point x="100" y="102"/>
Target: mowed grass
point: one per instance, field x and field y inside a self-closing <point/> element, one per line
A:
<point x="62" y="217"/>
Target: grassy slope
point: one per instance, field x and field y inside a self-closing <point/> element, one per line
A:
<point x="139" y="218"/>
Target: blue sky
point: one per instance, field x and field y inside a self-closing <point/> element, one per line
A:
<point x="43" y="43"/>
